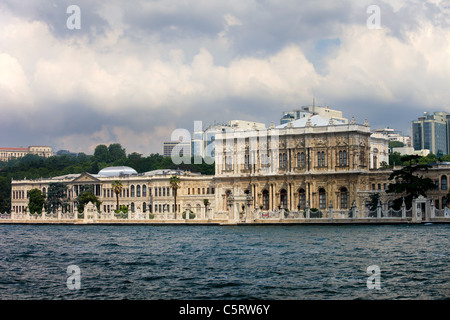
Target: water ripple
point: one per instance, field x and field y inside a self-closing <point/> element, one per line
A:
<point x="212" y="262"/>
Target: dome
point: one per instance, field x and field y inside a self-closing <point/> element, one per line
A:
<point x="116" y="171"/>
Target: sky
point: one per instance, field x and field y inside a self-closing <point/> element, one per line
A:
<point x="131" y="72"/>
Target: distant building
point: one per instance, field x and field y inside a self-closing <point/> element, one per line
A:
<point x="379" y="150"/>
<point x="202" y="144"/>
<point x="394" y="135"/>
<point x="307" y="111"/>
<point x="431" y="132"/>
<point x="178" y="147"/>
<point x="14" y="153"/>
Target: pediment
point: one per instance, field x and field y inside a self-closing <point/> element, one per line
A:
<point x="86" y="177"/>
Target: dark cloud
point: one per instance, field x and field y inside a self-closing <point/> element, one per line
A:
<point x="231" y="30"/>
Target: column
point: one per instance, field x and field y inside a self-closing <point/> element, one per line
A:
<point x="403" y="209"/>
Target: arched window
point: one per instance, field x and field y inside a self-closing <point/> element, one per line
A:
<point x="144" y="190"/>
<point x="344" y="155"/>
<point x="322" y="199"/>
<point x="340" y="158"/>
<point x="444" y="202"/>
<point x="138" y="190"/>
<point x="444" y="183"/>
<point x="44" y="191"/>
<point x="144" y="207"/>
<point x="283" y="199"/>
<point x="344" y="198"/>
<point x="227" y="196"/>
<point x="265" y="199"/>
<point x="301" y="199"/>
<point x="132" y="207"/>
<point x="132" y="191"/>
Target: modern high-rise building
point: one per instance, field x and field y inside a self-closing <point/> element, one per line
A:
<point x="431" y="131"/>
<point x="180" y="148"/>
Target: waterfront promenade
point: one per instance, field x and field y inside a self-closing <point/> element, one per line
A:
<point x="415" y="215"/>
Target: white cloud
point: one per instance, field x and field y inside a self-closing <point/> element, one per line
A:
<point x="129" y="82"/>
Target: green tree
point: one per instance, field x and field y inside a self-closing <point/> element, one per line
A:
<point x="116" y="152"/>
<point x="174" y="182"/>
<point x="101" y="153"/>
<point x="396" y="144"/>
<point x="395" y="158"/>
<point x="408" y="182"/>
<point x="86" y="197"/>
<point x="56" y="196"/>
<point x="36" y="201"/>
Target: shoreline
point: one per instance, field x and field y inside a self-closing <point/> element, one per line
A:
<point x="341" y="221"/>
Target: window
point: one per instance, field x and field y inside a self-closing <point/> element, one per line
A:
<point x="344" y="198"/>
<point x="322" y="199"/>
<point x="228" y="163"/>
<point x="247" y="162"/>
<point x="138" y="191"/>
<point x="265" y="160"/>
<point x="342" y="158"/>
<point x="302" y="199"/>
<point x="283" y="199"/>
<point x="321" y="159"/>
<point x="144" y="190"/>
<point x="132" y="191"/>
<point x="265" y="198"/>
<point x="444" y="183"/>
<point x="302" y="160"/>
<point x="283" y="160"/>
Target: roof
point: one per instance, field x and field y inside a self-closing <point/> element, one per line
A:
<point x="14" y="149"/>
<point x="316" y="121"/>
<point x="116" y="171"/>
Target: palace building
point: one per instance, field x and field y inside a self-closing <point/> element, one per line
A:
<point x="312" y="163"/>
<point x="148" y="192"/>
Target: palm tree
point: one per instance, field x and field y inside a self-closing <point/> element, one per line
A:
<point x="117" y="189"/>
<point x="175" y="184"/>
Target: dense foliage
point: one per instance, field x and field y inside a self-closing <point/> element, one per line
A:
<point x="408" y="181"/>
<point x="34" y="167"/>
